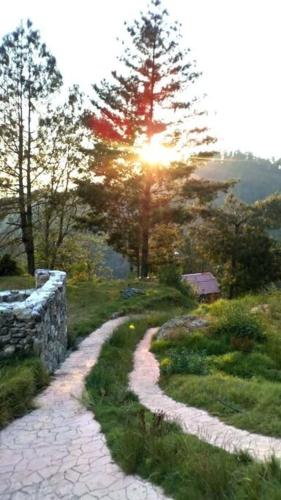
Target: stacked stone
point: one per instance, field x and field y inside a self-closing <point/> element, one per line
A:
<point x="34" y="322"/>
<point x="14" y="295"/>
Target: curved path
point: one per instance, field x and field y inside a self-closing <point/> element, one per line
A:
<point x="58" y="450"/>
<point x="144" y="383"/>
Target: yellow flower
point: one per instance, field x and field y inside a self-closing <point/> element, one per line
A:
<point x="132" y="327"/>
<point x="165" y="362"/>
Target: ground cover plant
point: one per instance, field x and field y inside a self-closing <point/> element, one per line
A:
<point x="144" y="443"/>
<point x="232" y="368"/>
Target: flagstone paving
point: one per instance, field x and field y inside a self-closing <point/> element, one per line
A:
<point x="58" y="450"/>
<point x="144" y="383"/>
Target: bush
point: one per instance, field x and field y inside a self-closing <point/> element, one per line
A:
<point x="186" y="362"/>
<point x="8" y="266"/>
<point x="240" y="327"/>
<point x="246" y="366"/>
<point x="195" y="342"/>
<point x="170" y="275"/>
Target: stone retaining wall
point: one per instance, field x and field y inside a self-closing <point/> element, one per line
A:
<point x="34" y="321"/>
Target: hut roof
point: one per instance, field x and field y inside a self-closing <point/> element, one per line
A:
<point x="204" y="283"/>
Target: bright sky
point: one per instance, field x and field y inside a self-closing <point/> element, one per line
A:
<point x="235" y="42"/>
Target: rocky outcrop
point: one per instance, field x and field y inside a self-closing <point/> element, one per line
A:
<point x="261" y="308"/>
<point x="34" y="321"/>
<point x="186" y="323"/>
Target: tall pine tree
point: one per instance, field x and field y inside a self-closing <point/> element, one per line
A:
<point x="149" y="101"/>
<point x="28" y="76"/>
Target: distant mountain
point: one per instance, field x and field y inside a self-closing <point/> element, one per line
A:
<point x="258" y="178"/>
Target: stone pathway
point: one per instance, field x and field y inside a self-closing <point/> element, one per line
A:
<point x="144" y="383"/>
<point x="58" y="450"/>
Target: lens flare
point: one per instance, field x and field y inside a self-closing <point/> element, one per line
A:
<point x="154" y="152"/>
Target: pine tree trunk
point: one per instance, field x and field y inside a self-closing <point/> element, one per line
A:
<point x="30" y="256"/>
<point x="22" y="206"/>
<point x="29" y="215"/>
<point x="145" y="226"/>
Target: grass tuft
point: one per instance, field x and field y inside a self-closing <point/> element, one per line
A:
<point x="20" y="381"/>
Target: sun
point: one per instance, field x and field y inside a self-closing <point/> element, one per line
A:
<point x="154" y="152"/>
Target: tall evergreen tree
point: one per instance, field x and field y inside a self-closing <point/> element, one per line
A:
<point x="148" y="101"/>
<point x="28" y="76"/>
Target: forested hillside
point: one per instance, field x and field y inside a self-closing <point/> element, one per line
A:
<point x="257" y="177"/>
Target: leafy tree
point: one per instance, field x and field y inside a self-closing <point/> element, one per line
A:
<point x="82" y="255"/>
<point x="270" y="209"/>
<point x="28" y="76"/>
<point x="58" y="206"/>
<point x="234" y="240"/>
<point x="149" y="101"/>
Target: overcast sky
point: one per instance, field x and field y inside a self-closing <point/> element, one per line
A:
<point x="237" y="45"/>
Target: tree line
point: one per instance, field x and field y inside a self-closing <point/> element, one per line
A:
<point x="73" y="167"/>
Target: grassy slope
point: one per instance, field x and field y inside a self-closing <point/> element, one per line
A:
<point x="89" y="305"/>
<point x="143" y="443"/>
<point x="243" y="389"/>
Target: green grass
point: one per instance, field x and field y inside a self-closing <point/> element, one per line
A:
<point x="20" y="381"/>
<point x="247" y="404"/>
<point x="144" y="444"/>
<point x="204" y="369"/>
<point x="16" y="282"/>
<point x="90" y="304"/>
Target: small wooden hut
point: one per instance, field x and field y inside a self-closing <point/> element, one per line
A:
<point x="205" y="286"/>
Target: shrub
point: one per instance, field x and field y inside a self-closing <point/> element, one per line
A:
<point x="244" y="344"/>
<point x="165" y="363"/>
<point x="186" y="362"/>
<point x="195" y="342"/>
<point x="160" y="345"/>
<point x="8" y="266"/>
<point x="203" y="342"/>
<point x="240" y="327"/>
<point x="246" y="366"/>
<point x="170" y="275"/>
